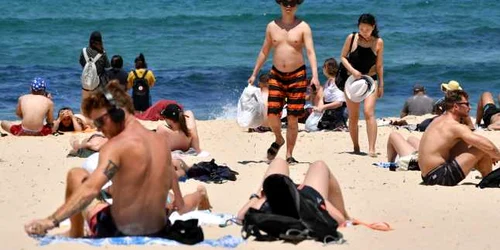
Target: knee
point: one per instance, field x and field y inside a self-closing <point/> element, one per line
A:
<point x="76" y="175"/>
<point x="278" y="161"/>
<point x="369" y="114"/>
<point x="320" y="165"/>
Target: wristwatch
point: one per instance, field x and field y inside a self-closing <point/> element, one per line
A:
<point x="55" y="222"/>
<point x="254" y="196"/>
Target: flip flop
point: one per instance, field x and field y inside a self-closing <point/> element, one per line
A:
<point x="291" y="161"/>
<point x="273" y="150"/>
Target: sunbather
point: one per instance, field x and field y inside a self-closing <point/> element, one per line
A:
<point x="181" y="130"/>
<point x="488" y="111"/>
<point x="319" y="184"/>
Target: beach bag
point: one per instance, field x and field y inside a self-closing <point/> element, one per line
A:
<point x="312" y="121"/>
<point x="342" y="75"/>
<point x="293" y="216"/>
<point x="333" y="119"/>
<point x="90" y="78"/>
<point x="492" y="180"/>
<point x="209" y="171"/>
<point x="186" y="232"/>
<point x="140" y="92"/>
<point x="251" y="108"/>
<point x="424" y="124"/>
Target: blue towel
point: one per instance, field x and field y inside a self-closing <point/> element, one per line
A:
<point x="227" y="241"/>
<point x="385" y="164"/>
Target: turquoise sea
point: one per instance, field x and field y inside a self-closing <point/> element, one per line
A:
<point x="203" y="51"/>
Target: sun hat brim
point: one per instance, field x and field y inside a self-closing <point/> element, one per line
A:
<point x="353" y="88"/>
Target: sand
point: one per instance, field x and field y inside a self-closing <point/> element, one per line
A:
<point x="33" y="172"/>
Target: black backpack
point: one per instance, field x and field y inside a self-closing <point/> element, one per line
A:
<point x="209" y="171"/>
<point x="492" y="180"/>
<point x="292" y="216"/>
<point x="140" y="92"/>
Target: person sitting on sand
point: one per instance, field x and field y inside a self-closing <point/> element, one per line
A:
<point x="66" y="121"/>
<point x="319" y="184"/>
<point x="180" y="130"/>
<point x="33" y="109"/>
<point x="488" y="111"/>
<point x="418" y="104"/>
<point x="449" y="150"/>
<point x="137" y="161"/>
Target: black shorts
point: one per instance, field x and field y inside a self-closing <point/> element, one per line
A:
<point x="102" y="225"/>
<point x="489" y="110"/>
<point x="448" y="174"/>
<point x="310" y="193"/>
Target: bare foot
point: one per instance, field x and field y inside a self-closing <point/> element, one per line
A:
<point x="204" y="203"/>
<point x="373" y="154"/>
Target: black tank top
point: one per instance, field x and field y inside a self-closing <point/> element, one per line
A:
<point x="362" y="59"/>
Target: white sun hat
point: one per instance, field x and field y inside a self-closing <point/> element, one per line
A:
<point x="359" y="89"/>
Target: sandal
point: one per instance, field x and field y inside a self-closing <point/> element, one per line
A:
<point x="291" y="161"/>
<point x="273" y="150"/>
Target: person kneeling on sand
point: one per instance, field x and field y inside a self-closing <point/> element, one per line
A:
<point x="33" y="109"/>
<point x="449" y="150"/>
<point x="137" y="161"/>
<point x="319" y="184"/>
<point x="180" y="130"/>
<point x="488" y="111"/>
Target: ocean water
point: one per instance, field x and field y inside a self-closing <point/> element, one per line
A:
<point x="203" y="51"/>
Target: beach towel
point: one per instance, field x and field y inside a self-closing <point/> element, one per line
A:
<point x="81" y="153"/>
<point x="153" y="112"/>
<point x="227" y="241"/>
<point x="189" y="152"/>
<point x="204" y="217"/>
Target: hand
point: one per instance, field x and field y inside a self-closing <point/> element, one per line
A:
<point x="251" y="80"/>
<point x="318" y="109"/>
<point x="380" y="91"/>
<point x="315" y="82"/>
<point x="356" y="74"/>
<point x="39" y="227"/>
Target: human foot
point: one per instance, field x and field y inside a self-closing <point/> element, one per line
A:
<point x="273" y="150"/>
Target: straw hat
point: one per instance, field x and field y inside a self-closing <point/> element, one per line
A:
<point x="451" y="85"/>
<point x="359" y="89"/>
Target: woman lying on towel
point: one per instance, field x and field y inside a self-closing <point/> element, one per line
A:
<point x="180" y="128"/>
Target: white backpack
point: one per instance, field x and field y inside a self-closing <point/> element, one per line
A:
<point x="90" y="78"/>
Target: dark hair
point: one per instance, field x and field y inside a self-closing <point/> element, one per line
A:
<point x="331" y="66"/>
<point x="264" y="78"/>
<point x="117" y="62"/>
<point x="369" y="19"/>
<point x="95" y="37"/>
<point x="454" y="96"/>
<point x="140" y="62"/>
<point x="175" y="113"/>
<point x="97" y="100"/>
<point x="62" y="109"/>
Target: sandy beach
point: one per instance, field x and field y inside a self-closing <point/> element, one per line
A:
<point x="33" y="172"/>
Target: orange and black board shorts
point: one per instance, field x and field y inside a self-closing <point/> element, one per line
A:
<point x="291" y="86"/>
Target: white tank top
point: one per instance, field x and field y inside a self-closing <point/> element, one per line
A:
<point x="331" y="93"/>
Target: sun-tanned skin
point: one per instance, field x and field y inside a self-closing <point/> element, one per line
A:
<point x="487" y="98"/>
<point x="446" y="139"/>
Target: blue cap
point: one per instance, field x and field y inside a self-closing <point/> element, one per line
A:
<point x="38" y="84"/>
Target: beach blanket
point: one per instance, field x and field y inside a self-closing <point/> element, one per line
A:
<point x="227" y="241"/>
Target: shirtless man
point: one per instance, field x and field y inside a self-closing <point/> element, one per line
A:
<point x="140" y="166"/>
<point x="488" y="111"/>
<point x="449" y="150"/>
<point x="33" y="109"/>
<point x="288" y="36"/>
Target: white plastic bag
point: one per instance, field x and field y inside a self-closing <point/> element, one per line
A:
<point x="312" y="121"/>
<point x="250" y="108"/>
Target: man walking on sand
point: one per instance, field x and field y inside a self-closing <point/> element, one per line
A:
<point x="33" y="109"/>
<point x="140" y="166"/>
<point x="449" y="150"/>
<point x="288" y="36"/>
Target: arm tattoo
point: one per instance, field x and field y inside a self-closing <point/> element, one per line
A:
<point x="111" y="170"/>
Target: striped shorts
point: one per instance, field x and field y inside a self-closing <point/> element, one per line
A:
<point x="291" y="86"/>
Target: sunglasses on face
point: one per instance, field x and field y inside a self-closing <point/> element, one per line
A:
<point x="99" y="121"/>
<point x="288" y="3"/>
<point x="465" y="103"/>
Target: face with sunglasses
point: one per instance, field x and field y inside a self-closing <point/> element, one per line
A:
<point x="102" y="122"/>
<point x="289" y="3"/>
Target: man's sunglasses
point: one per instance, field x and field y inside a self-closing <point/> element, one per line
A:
<point x="288" y="3"/>
<point x="466" y="103"/>
<point x="99" y="121"/>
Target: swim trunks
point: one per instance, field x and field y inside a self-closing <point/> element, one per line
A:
<point x="307" y="192"/>
<point x="19" y="130"/>
<point x="289" y="85"/>
<point x="102" y="225"/>
<point x="489" y="110"/>
<point x="447" y="174"/>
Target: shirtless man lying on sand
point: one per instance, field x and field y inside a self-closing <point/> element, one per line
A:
<point x="449" y="150"/>
<point x="139" y="164"/>
<point x="33" y="109"/>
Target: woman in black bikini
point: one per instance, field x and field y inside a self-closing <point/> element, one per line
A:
<point x="365" y="58"/>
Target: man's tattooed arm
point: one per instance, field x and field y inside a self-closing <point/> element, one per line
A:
<point x="111" y="170"/>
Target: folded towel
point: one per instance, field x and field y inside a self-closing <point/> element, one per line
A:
<point x="227" y="241"/>
<point x="205" y="217"/>
<point x="385" y="164"/>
